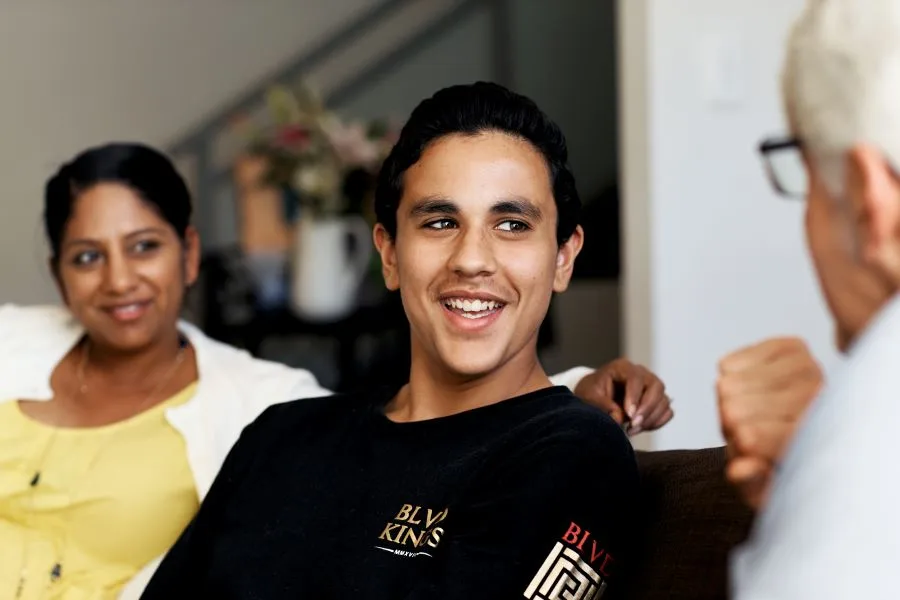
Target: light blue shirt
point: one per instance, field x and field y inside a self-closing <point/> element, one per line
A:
<point x="831" y="528"/>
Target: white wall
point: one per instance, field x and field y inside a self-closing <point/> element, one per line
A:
<point x="80" y="73"/>
<point x="713" y="259"/>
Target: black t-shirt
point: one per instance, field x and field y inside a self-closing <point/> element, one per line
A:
<point x="329" y="499"/>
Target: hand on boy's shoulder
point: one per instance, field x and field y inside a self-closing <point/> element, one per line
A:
<point x="644" y="405"/>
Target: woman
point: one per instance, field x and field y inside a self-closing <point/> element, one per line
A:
<point x="115" y="416"/>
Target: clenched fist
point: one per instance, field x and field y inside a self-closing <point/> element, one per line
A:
<point x="763" y="392"/>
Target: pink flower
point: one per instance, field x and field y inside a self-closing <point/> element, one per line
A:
<point x="352" y="145"/>
<point x="292" y="136"/>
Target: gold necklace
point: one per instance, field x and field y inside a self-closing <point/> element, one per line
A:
<point x="56" y="570"/>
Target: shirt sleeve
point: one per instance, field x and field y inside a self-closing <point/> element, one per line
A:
<point x="571" y="377"/>
<point x="830" y="527"/>
<point x="182" y="572"/>
<point x="306" y="386"/>
<point x="549" y="522"/>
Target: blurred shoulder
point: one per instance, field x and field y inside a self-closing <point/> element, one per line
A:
<point x="41" y="324"/>
<point x="255" y="380"/>
<point x="45" y="316"/>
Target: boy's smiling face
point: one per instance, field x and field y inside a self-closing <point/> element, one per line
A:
<point x="476" y="256"/>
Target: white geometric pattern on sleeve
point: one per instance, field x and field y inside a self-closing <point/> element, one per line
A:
<point x="565" y="576"/>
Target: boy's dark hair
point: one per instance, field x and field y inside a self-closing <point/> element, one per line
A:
<point x="469" y="110"/>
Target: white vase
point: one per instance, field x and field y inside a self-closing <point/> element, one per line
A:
<point x="267" y="273"/>
<point x="326" y="274"/>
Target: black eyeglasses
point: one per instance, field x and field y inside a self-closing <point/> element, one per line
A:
<point x="784" y="166"/>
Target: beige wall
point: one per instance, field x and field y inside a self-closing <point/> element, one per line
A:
<point x="79" y="73"/>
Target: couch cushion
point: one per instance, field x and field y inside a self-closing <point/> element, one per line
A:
<point x="691" y="520"/>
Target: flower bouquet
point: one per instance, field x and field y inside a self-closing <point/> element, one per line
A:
<point x="326" y="164"/>
<point x="321" y="169"/>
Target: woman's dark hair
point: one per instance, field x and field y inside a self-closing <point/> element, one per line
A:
<point x="469" y="110"/>
<point x="146" y="171"/>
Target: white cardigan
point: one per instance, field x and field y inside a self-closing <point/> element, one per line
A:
<point x="233" y="388"/>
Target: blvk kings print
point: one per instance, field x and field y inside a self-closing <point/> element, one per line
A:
<point x="413" y="532"/>
<point x="577" y="568"/>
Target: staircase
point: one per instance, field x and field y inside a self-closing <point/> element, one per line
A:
<point x="383" y="61"/>
<point x="399" y="51"/>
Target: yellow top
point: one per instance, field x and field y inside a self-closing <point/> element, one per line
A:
<point x="109" y="500"/>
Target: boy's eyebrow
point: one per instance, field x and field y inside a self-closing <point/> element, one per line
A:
<point x="433" y="205"/>
<point x="440" y="205"/>
<point x="518" y="206"/>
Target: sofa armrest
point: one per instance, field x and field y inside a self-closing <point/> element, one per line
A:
<point x="691" y="520"/>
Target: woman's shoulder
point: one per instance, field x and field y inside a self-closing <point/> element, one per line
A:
<point x="42" y="329"/>
<point x="265" y="382"/>
<point x="36" y="318"/>
<point x="33" y="339"/>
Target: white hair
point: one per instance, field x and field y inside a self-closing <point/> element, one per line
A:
<point x="841" y="79"/>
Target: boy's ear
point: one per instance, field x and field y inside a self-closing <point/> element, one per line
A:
<point x="565" y="259"/>
<point x="384" y="243"/>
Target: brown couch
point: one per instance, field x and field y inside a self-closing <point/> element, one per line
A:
<point x="691" y="521"/>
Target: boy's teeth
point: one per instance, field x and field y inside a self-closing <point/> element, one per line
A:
<point x="472" y="305"/>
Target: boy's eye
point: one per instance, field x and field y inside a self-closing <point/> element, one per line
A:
<point x="513" y="226"/>
<point x="440" y="224"/>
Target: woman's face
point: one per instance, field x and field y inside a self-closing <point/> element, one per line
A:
<point x="123" y="269"/>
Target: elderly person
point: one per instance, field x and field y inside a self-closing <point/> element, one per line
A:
<point x="830" y="526"/>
